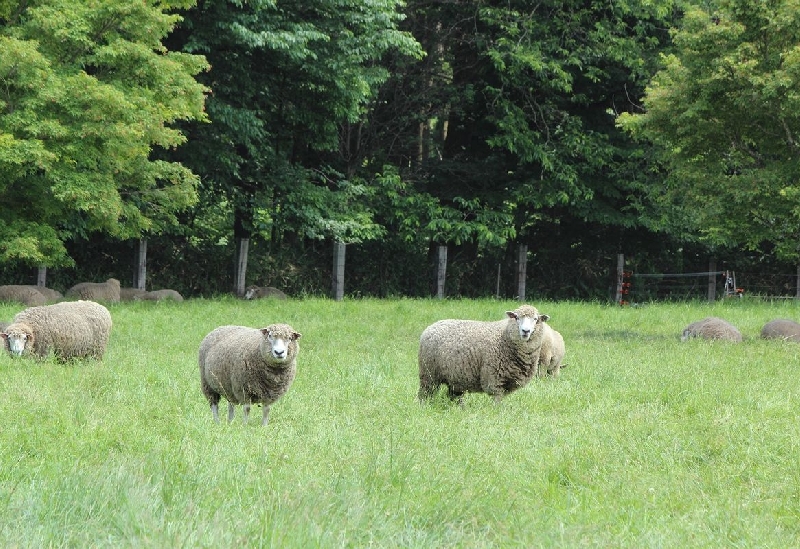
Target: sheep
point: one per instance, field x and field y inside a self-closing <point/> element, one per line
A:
<point x="70" y="329"/>
<point x="258" y="292"/>
<point x="49" y="294"/>
<point x="712" y="328"/>
<point x="96" y="291"/>
<point x="129" y="294"/>
<point x="495" y="358"/>
<point x="159" y="295"/>
<point x="4" y="325"/>
<point x="781" y="328"/>
<point x="26" y="295"/>
<point x="247" y="366"/>
<point x="552" y="355"/>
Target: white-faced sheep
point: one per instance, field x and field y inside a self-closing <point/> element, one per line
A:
<point x="259" y="292"/>
<point x="781" y="328"/>
<point x="551" y="358"/>
<point x="495" y="358"/>
<point x="96" y="291"/>
<point x="70" y="329"/>
<point x="712" y="327"/>
<point x="248" y="366"/>
<point x="160" y="295"/>
<point x="26" y="295"/>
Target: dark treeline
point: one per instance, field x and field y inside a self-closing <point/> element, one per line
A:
<point x="279" y="129"/>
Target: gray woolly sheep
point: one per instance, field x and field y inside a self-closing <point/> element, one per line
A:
<point x="129" y="294"/>
<point x="258" y="292"/>
<point x="495" y="358"/>
<point x="248" y="366"/>
<point x="49" y="294"/>
<point x="96" y="291"/>
<point x="712" y="328"/>
<point x="70" y="329"/>
<point x="551" y="357"/>
<point x="781" y="328"/>
<point x="26" y="295"/>
<point x="159" y="295"/>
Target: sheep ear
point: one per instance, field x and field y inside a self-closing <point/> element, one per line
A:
<point x="544" y="318"/>
<point x="265" y="331"/>
<point x="511" y="314"/>
<point x="296" y="335"/>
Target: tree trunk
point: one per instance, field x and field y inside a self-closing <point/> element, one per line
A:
<point x="441" y="271"/>
<point x="140" y="268"/>
<point x="522" y="268"/>
<point x="241" y="234"/>
<point x="41" y="276"/>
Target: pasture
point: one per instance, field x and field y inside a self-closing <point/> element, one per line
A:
<point x="644" y="441"/>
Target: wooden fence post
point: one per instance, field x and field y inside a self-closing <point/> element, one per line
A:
<point x="441" y="271"/>
<point x="620" y="276"/>
<point x="41" y="276"/>
<point x="712" y="279"/>
<point x="140" y="270"/>
<point x="798" y="282"/>
<point x="241" y="265"/>
<point x="339" y="249"/>
<point x="522" y="268"/>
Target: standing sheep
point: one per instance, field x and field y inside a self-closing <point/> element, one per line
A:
<point x="495" y="358"/>
<point x="70" y="329"/>
<point x="248" y="366"/>
<point x="712" y="328"/>
<point x="26" y="295"/>
<point x="552" y="355"/>
<point x="781" y="328"/>
<point x="258" y="292"/>
<point x="96" y="291"/>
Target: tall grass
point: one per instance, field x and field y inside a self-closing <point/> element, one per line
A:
<point x="643" y="441"/>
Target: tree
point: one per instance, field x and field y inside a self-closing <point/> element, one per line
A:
<point x="87" y="94"/>
<point x="724" y="111"/>
<point x="285" y="78"/>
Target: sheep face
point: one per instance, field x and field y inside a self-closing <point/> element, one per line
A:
<point x="251" y="292"/>
<point x="278" y="342"/>
<point x="527" y="318"/>
<point x="17" y="340"/>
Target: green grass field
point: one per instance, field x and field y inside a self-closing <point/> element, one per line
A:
<point x="644" y="441"/>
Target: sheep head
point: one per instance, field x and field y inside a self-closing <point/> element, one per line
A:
<point x="18" y="338"/>
<point x="279" y="340"/>
<point x="527" y="318"/>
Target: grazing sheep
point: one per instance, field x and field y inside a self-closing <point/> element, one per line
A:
<point x="26" y="295"/>
<point x="159" y="295"/>
<point x="258" y="292"/>
<point x="712" y="328"/>
<point x="70" y="329"/>
<point x="248" y="366"/>
<point x="552" y="355"/>
<point x="495" y="358"/>
<point x="781" y="328"/>
<point x="96" y="291"/>
<point x="129" y="294"/>
<point x="49" y="294"/>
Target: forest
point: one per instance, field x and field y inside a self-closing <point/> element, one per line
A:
<point x="243" y="141"/>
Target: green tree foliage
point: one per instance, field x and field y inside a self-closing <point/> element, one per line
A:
<point x="87" y="94"/>
<point x="286" y="77"/>
<point x="725" y="112"/>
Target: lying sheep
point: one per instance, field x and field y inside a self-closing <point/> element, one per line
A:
<point x="781" y="328"/>
<point x="129" y="294"/>
<point x="258" y="292"/>
<point x="26" y="295"/>
<point x="70" y="329"/>
<point x="248" y="366"/>
<point x="712" y="328"/>
<point x="551" y="357"/>
<point x="96" y="291"/>
<point x="49" y="294"/>
<point x="495" y="358"/>
<point x="159" y="295"/>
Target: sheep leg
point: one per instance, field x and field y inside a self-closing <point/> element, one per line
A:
<point x="215" y="411"/>
<point x="265" y="416"/>
<point x="246" y="413"/>
<point x="230" y="412"/>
